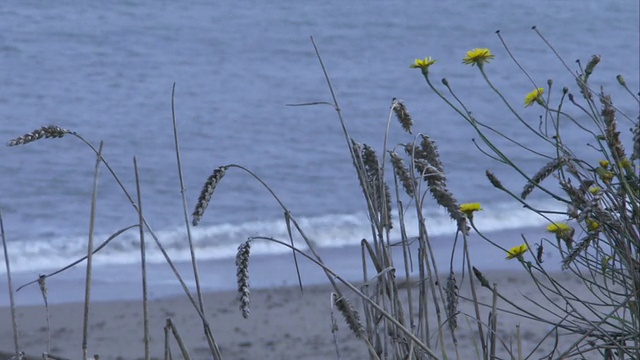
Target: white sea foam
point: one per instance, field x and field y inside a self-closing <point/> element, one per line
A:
<point x="221" y="240"/>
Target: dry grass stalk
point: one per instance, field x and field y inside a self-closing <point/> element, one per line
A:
<point x="178" y="338"/>
<point x="51" y="131"/>
<point x="207" y="190"/>
<point x="404" y="118"/>
<point x="402" y="172"/>
<point x="542" y="174"/>
<point x="14" y="321"/>
<point x="350" y="315"/>
<point x="242" y="267"/>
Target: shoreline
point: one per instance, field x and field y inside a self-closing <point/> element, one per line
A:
<point x="122" y="282"/>
<point x="283" y="324"/>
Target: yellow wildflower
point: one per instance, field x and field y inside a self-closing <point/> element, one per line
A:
<point x="470" y="208"/>
<point x="607" y="176"/>
<point x="592" y="225"/>
<point x="423" y="64"/>
<point x="626" y="163"/>
<point x="517" y="251"/>
<point x="604" y="163"/>
<point x="534" y="96"/>
<point x="594" y="190"/>
<point x="558" y="228"/>
<point x="478" y="56"/>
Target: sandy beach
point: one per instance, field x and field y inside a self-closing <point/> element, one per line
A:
<point x="284" y="324"/>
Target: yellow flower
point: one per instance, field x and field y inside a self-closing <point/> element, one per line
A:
<point x="594" y="190"/>
<point x="535" y="95"/>
<point x="423" y="64"/>
<point x="478" y="56"/>
<point x="558" y="228"/>
<point x="592" y="225"/>
<point x="606" y="176"/>
<point x="604" y="163"/>
<point x="517" y="251"/>
<point x="469" y="208"/>
<point x="626" y="163"/>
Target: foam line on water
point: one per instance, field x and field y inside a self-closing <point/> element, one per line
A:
<point x="220" y="241"/>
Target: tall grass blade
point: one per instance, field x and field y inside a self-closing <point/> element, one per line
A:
<point x="92" y="218"/>
<point x="14" y="321"/>
<point x="143" y="264"/>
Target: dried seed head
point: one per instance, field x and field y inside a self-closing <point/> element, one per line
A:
<point x="574" y="252"/>
<point x="381" y="193"/>
<point x="207" y="191"/>
<point x="430" y="152"/>
<point x="51" y="131"/>
<point x="370" y="161"/>
<point x="636" y="141"/>
<point x="407" y="180"/>
<point x="577" y="195"/>
<point x="427" y="162"/>
<point x="350" y="315"/>
<point x="452" y="301"/>
<point x="242" y="267"/>
<point x="483" y="280"/>
<point x="43" y="286"/>
<point x="595" y="59"/>
<point x="404" y="118"/>
<point x="494" y="180"/>
<point x="542" y="174"/>
<point x="437" y="187"/>
<point x="612" y="135"/>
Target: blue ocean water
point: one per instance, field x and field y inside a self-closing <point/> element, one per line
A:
<point x="106" y="70"/>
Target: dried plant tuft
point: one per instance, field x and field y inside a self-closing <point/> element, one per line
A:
<point x="242" y="267"/>
<point x="51" y="131"/>
<point x="207" y="191"/>
<point x="382" y="195"/>
<point x="611" y="133"/>
<point x="402" y="172"/>
<point x="404" y="118"/>
<point x="452" y="301"/>
<point x="494" y="180"/>
<point x="350" y="315"/>
<point x="542" y="174"/>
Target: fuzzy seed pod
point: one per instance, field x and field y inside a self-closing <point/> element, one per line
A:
<point x="207" y="191"/>
<point x="51" y="131"/>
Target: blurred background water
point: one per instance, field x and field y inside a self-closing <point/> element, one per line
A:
<point x="105" y="70"/>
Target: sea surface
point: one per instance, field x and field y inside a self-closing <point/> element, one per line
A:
<point x="106" y="71"/>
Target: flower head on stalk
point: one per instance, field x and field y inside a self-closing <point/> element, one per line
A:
<point x="563" y="232"/>
<point x="423" y="64"/>
<point x="478" y="56"/>
<point x="557" y="228"/>
<point x="469" y="208"/>
<point x="517" y="251"/>
<point x="534" y="96"/>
